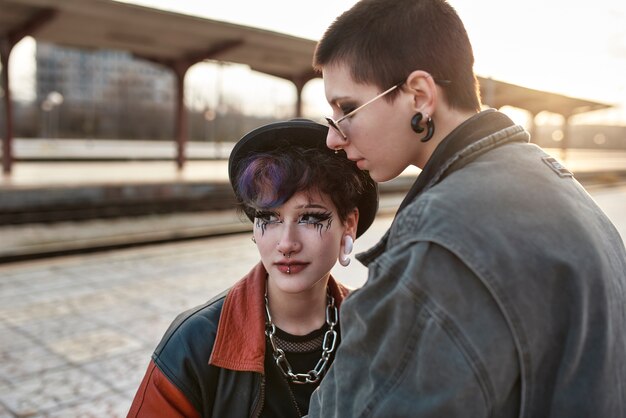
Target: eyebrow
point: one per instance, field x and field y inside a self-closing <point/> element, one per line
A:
<point x="312" y="206"/>
<point x="337" y="101"/>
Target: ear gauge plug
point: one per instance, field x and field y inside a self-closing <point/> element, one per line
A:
<point x="416" y="121"/>
<point x="348" y="244"/>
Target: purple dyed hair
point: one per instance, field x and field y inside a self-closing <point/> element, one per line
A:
<point x="267" y="180"/>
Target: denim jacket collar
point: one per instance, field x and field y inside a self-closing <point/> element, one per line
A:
<point x="480" y="133"/>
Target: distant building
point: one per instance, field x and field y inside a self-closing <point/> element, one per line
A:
<point x="101" y="76"/>
<point x="104" y="93"/>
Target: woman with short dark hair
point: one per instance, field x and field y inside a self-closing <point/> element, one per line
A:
<point x="499" y="289"/>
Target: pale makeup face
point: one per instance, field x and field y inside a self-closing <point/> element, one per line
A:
<point x="379" y="136"/>
<point x="299" y="242"/>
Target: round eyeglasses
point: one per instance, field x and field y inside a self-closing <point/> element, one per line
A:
<point x="335" y="123"/>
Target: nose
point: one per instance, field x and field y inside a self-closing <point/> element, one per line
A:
<point x="334" y="140"/>
<point x="289" y="242"/>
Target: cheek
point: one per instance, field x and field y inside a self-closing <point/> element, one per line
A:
<point x="367" y="141"/>
<point x="265" y="242"/>
<point x="330" y="241"/>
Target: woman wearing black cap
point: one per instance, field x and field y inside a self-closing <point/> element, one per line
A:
<point x="262" y="347"/>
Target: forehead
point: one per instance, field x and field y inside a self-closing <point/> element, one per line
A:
<point x="337" y="77"/>
<point x="339" y="84"/>
<point x="308" y="198"/>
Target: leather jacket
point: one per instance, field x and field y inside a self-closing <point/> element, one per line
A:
<point x="498" y="291"/>
<point x="210" y="362"/>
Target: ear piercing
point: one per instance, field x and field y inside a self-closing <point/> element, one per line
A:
<point x="430" y="125"/>
<point x="348" y="243"/>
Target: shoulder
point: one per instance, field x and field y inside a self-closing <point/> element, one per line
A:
<point x="497" y="185"/>
<point x="195" y="327"/>
<point x="457" y="327"/>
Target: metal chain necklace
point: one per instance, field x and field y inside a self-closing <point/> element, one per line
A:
<point x="328" y="346"/>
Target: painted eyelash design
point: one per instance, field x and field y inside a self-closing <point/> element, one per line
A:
<point x="318" y="220"/>
<point x="263" y="219"/>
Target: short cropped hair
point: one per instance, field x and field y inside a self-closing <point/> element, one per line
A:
<point x="267" y="180"/>
<point x="383" y="41"/>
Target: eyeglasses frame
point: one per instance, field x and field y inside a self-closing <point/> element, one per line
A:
<point x="335" y="123"/>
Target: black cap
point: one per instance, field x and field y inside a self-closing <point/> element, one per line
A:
<point x="307" y="134"/>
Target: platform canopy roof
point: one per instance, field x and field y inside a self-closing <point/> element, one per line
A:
<point x="172" y="38"/>
<point x="157" y="35"/>
<point x="498" y="93"/>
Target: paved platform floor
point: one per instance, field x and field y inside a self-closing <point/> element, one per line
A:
<point x="76" y="333"/>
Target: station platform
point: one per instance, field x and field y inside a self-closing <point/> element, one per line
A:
<point x="62" y="207"/>
<point x="67" y="163"/>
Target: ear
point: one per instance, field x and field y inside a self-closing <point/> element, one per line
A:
<point x="424" y="91"/>
<point x="351" y="223"/>
<point x="347" y="238"/>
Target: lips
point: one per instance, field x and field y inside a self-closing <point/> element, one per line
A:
<point x="357" y="160"/>
<point x="291" y="268"/>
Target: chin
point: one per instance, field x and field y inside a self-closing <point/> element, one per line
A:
<point x="380" y="177"/>
<point x="385" y="174"/>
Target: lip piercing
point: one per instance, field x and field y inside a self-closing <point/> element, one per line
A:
<point x="288" y="269"/>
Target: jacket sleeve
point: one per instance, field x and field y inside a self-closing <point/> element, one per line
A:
<point x="179" y="381"/>
<point x="158" y="397"/>
<point x="433" y="340"/>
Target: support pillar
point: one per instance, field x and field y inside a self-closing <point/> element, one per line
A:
<point x="489" y="93"/>
<point x="532" y="128"/>
<point x="7" y="43"/>
<point x="566" y="135"/>
<point x="299" y="83"/>
<point x="180" y="124"/>
<point x="179" y="67"/>
<point x="7" y="143"/>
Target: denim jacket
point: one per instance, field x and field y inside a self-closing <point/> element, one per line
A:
<point x="498" y="291"/>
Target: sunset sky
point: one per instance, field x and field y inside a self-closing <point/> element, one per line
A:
<point x="563" y="46"/>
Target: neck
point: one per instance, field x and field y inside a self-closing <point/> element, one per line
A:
<point x="300" y="313"/>
<point x="446" y="121"/>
